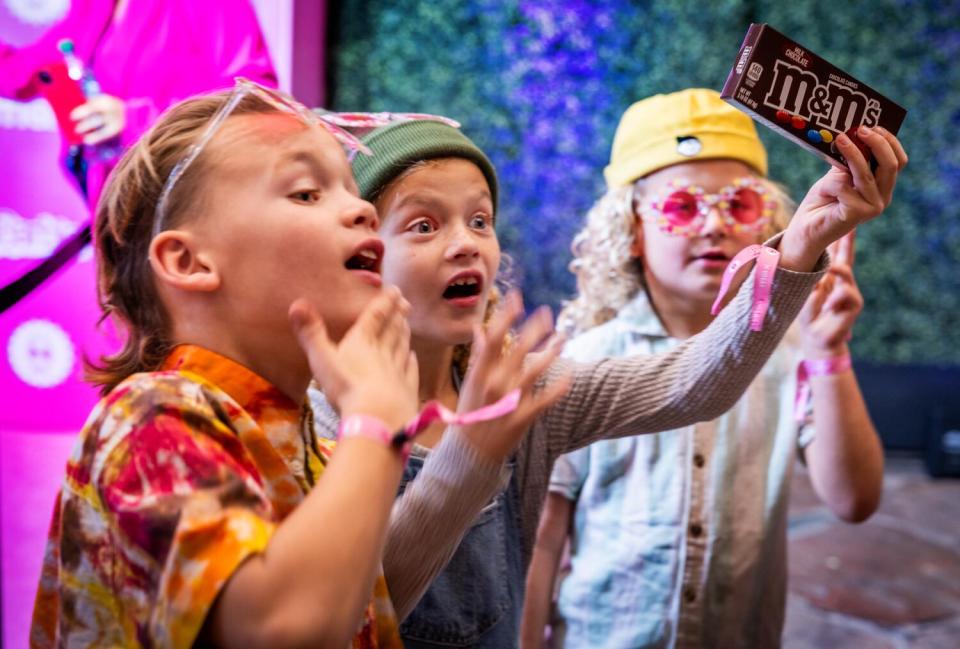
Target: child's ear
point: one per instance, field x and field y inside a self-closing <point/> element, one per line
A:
<point x="636" y="246"/>
<point x="178" y="261"/>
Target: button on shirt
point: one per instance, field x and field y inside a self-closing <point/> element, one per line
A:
<point x="178" y="477"/>
<point x="679" y="538"/>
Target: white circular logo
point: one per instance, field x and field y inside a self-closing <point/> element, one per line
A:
<point x="38" y="12"/>
<point x="41" y="353"/>
<point x="689" y="146"/>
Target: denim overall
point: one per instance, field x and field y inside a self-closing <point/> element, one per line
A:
<point x="476" y="600"/>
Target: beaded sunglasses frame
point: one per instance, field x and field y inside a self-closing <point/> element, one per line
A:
<point x="722" y="200"/>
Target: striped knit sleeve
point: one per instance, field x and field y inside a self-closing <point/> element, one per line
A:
<point x="697" y="381"/>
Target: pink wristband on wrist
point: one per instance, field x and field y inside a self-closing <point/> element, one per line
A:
<point x="365" y="426"/>
<point x="372" y="428"/>
<point x="767" y="261"/>
<point x="818" y="367"/>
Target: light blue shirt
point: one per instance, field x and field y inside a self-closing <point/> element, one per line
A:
<point x="679" y="538"/>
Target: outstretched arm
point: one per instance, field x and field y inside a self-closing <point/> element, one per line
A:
<point x="703" y="377"/>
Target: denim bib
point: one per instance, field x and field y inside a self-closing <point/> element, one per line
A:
<point x="476" y="600"/>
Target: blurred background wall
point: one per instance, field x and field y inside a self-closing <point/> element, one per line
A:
<point x="541" y="84"/>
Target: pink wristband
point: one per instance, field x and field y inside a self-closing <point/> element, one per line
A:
<point x="818" y="367"/>
<point x="767" y="260"/>
<point x="434" y="410"/>
<point x="375" y="429"/>
<point x="365" y="426"/>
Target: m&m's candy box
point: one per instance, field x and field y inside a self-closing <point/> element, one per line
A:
<point x="790" y="89"/>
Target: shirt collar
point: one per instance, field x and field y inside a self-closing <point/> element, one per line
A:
<point x="260" y="398"/>
<point x="639" y="317"/>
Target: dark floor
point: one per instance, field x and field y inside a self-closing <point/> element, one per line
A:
<point x="893" y="581"/>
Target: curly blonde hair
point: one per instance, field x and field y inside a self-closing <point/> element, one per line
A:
<point x="608" y="275"/>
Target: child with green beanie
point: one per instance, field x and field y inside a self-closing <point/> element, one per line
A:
<point x="679" y="539"/>
<point x="436" y="194"/>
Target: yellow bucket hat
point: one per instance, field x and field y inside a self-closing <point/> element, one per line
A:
<point x="685" y="126"/>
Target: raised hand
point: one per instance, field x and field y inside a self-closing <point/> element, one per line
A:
<point x="497" y="366"/>
<point x="843" y="198"/>
<point x="371" y="371"/>
<point x="827" y="318"/>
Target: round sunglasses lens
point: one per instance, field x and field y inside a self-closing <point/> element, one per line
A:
<point x="746" y="206"/>
<point x="680" y="208"/>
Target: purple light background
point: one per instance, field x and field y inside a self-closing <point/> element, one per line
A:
<point x="39" y="424"/>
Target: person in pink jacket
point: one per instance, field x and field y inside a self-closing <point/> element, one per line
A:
<point x="145" y="55"/>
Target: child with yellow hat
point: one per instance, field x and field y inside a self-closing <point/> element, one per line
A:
<point x="679" y="538"/>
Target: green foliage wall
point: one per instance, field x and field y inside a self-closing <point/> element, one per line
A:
<point x="541" y="86"/>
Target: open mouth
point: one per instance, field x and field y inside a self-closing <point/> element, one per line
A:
<point x="366" y="257"/>
<point x="464" y="285"/>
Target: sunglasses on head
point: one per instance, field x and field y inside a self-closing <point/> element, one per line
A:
<point x="334" y="123"/>
<point x="746" y="205"/>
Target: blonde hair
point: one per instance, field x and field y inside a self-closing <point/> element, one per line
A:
<point x="608" y="275"/>
<point x="123" y="231"/>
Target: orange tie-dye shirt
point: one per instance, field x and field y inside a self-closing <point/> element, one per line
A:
<point x="178" y="476"/>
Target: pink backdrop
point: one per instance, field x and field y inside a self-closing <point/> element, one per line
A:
<point x="45" y="337"/>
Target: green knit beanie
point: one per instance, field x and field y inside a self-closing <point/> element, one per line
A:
<point x="400" y="145"/>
